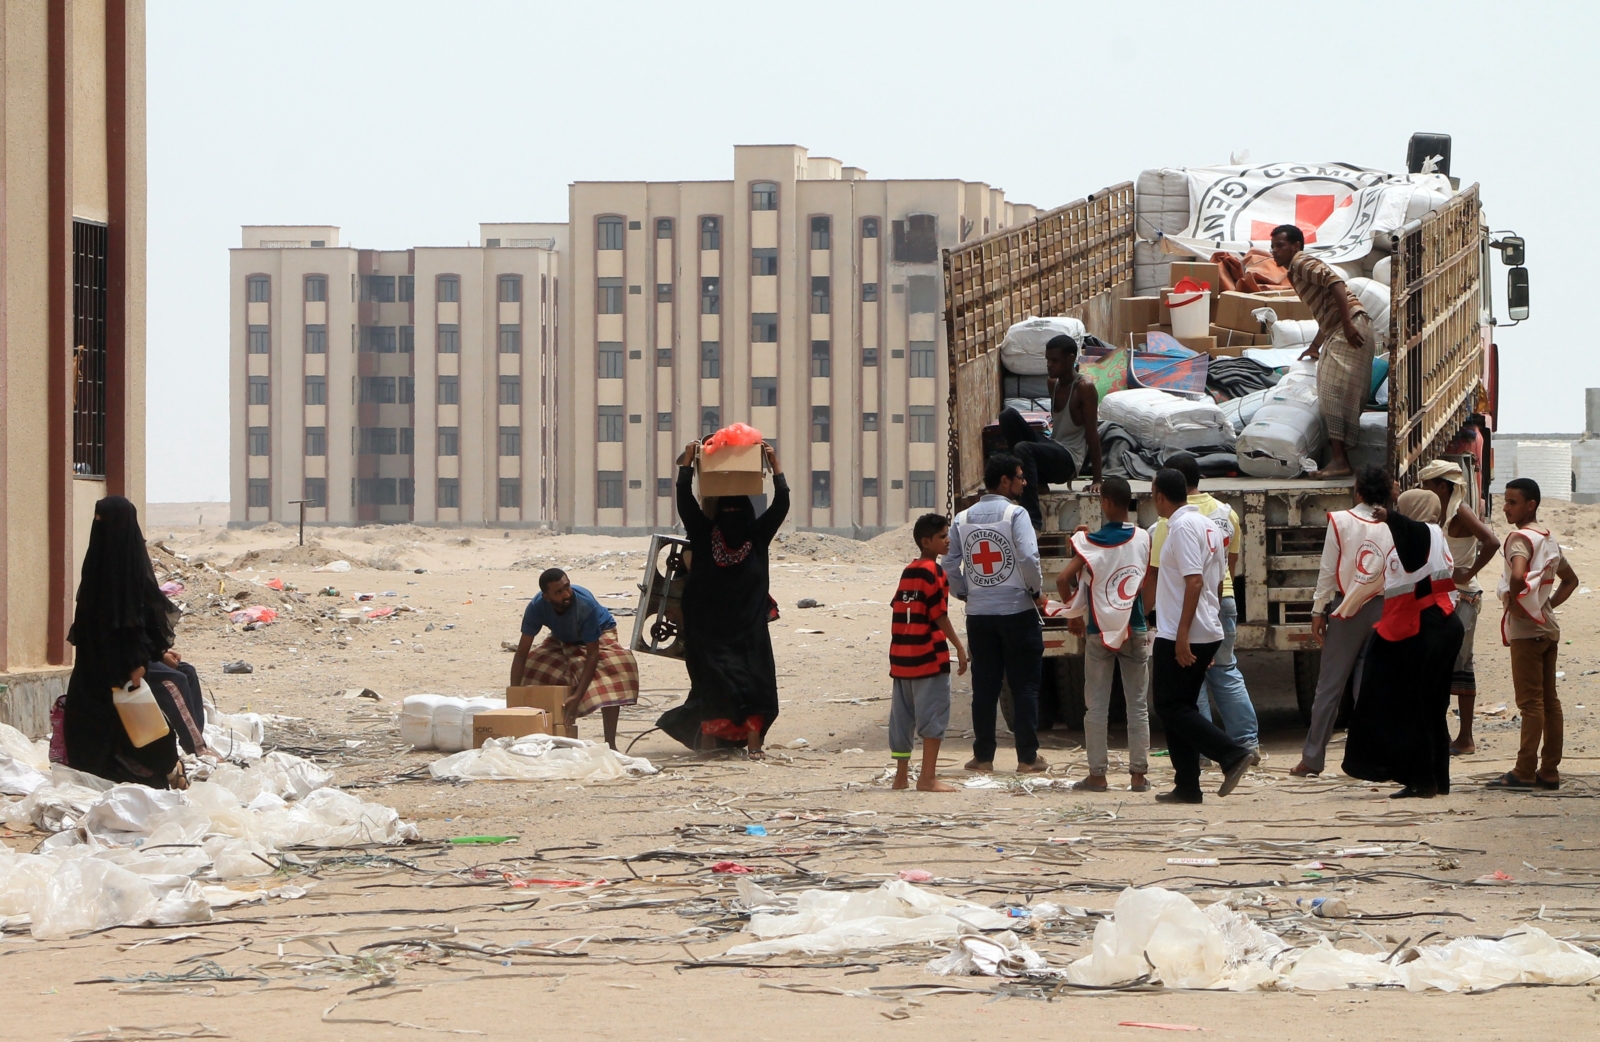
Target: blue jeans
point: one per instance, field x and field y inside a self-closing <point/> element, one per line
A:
<point x="1225" y="683"/>
<point x="1012" y="647"/>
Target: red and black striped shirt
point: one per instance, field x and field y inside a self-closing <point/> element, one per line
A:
<point x="917" y="647"/>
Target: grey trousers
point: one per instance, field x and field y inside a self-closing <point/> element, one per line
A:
<point x="1098" y="663"/>
<point x="1342" y="648"/>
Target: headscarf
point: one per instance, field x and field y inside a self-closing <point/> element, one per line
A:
<point x="117" y="587"/>
<point x="1451" y="472"/>
<point x="730" y="531"/>
<point x="1420" y="505"/>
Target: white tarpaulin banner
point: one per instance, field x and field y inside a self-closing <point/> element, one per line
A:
<point x="1336" y="205"/>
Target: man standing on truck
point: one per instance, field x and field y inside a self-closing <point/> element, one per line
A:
<point x="1074" y="442"/>
<point x="993" y="565"/>
<point x="1342" y="348"/>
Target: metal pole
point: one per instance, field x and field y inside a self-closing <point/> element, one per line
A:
<point x="302" y="504"/>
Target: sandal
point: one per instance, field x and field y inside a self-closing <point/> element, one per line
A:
<point x="1082" y="785"/>
<point x="1300" y="770"/>
<point x="1541" y="783"/>
<point x="1142" y="785"/>
<point x="1509" y="781"/>
<point x="755" y="754"/>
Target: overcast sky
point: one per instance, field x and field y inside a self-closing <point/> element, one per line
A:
<point x="407" y="123"/>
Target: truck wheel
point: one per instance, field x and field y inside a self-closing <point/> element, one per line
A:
<point x="1307" y="665"/>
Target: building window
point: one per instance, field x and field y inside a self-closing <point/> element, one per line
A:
<point x="922" y="358"/>
<point x="408" y="441"/>
<point x="869" y="488"/>
<point x="316" y="390"/>
<point x="259" y="492"/>
<point x="510" y="289"/>
<point x="492" y="244"/>
<point x="869" y="357"/>
<point x="260" y="390"/>
<point x="922" y="489"/>
<point x="510" y="494"/>
<point x="450" y="493"/>
<point x="316" y="492"/>
<point x="710" y="296"/>
<point x="407" y="386"/>
<point x="449" y="287"/>
<point x="449" y="442"/>
<point x="379" y="288"/>
<point x="609" y="233"/>
<point x="869" y="227"/>
<point x="710" y="420"/>
<point x="408" y="288"/>
<point x="511" y="390"/>
<point x="869" y="421"/>
<point x="821" y="358"/>
<point x="380" y="492"/>
<point x="821" y="303"/>
<point x="610" y="420"/>
<point x="663" y="227"/>
<point x="260" y="441"/>
<point x="609" y="297"/>
<point x="449" y="390"/>
<point x="710" y="360"/>
<point x="406" y="340"/>
<point x="378" y="441"/>
<point x="316" y="287"/>
<point x="608" y="489"/>
<point x="316" y="441"/>
<point x="510" y="441"/>
<point x="921" y="423"/>
<point x="916" y="239"/>
<point x="821" y="233"/>
<point x="664" y="357"/>
<point x="663" y="421"/>
<point x="924" y="293"/>
<point x="763" y="196"/>
<point x="869" y="293"/>
<point x="610" y="358"/>
<point x="764" y="328"/>
<point x="379" y="389"/>
<point x="664" y="487"/>
<point x="258" y="289"/>
<point x="821" y="488"/>
<point x="663" y="293"/>
<point x="449" y="339"/>
<point x="511" y="340"/>
<point x="763" y="391"/>
<point x="379" y="340"/>
<point x="316" y="340"/>
<point x="763" y="262"/>
<point x="898" y="417"/>
<point x="711" y="233"/>
<point x="636" y="417"/>
<point x="821" y="423"/>
<point x="260" y="340"/>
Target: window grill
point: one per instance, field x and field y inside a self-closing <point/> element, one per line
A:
<point x="90" y="245"/>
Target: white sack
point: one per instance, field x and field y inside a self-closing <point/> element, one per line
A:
<point x="1286" y="435"/>
<point x="1374" y="297"/>
<point x="1165" y="422"/>
<point x="1240" y="411"/>
<point x="1022" y="350"/>
<point x="1372" y="445"/>
<point x="1380" y="271"/>
<point x="1293" y="333"/>
<point x="834" y="922"/>
<point x="541" y="757"/>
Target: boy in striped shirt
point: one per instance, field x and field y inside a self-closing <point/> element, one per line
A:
<point x="919" y="657"/>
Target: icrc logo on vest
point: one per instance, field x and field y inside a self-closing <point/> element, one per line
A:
<point x="991" y="557"/>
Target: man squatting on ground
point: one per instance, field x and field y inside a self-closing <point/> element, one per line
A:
<point x="919" y="657"/>
<point x="993" y="565"/>
<point x="1074" y="442"/>
<point x="581" y="652"/>
<point x="1101" y="585"/>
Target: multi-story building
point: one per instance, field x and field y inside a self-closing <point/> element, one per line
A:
<point x="800" y="297"/>
<point x="395" y="385"/>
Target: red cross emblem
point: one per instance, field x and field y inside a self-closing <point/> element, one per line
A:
<point x="987" y="557"/>
<point x="1310" y="213"/>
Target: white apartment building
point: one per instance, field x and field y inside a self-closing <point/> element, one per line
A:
<point x="394" y="385"/>
<point x="800" y="297"/>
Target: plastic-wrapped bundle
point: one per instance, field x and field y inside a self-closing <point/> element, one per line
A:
<point x="1022" y="351"/>
<point x="442" y="722"/>
<point x="1374" y="297"/>
<point x="1286" y="436"/>
<point x="1372" y="446"/>
<point x="1240" y="411"/>
<point x="416" y="719"/>
<point x="1165" y="422"/>
<point x="1161" y="203"/>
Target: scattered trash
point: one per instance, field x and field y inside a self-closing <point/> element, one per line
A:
<point x="334" y="566"/>
<point x="828" y="922"/>
<point x="328" y="591"/>
<point x="541" y="757"/>
<point x="258" y="613"/>
<point x="359" y="692"/>
<point x="916" y="875"/>
<point x="481" y="841"/>
<point x="275" y="584"/>
<point x="808" y="632"/>
<point x="755" y="830"/>
<point x="1199" y="862"/>
<point x="419" y="571"/>
<point x="1494" y="878"/>
<point x="1325" y="907"/>
<point x="731" y="868"/>
<point x="238" y="667"/>
<point x="798" y="743"/>
<point x="1157" y="1027"/>
<point x="172" y="589"/>
<point x="808" y="602"/>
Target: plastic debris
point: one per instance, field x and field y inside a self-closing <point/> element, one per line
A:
<point x="173" y="588"/>
<point x="1155" y="1026"/>
<point x="827" y="922"/>
<point x="1198" y="862"/>
<point x="755" y="830"/>
<point x="1325" y="907"/>
<point x="541" y="757"/>
<point x="1495" y="878"/>
<point x="334" y="566"/>
<point x="807" y="602"/>
<point x="916" y="875"/>
<point x="731" y="868"/>
<point x="481" y="841"/>
<point x="240" y="666"/>
<point x="255" y="613"/>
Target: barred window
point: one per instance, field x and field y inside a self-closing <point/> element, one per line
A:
<point x="260" y="340"/>
<point x="316" y="340"/>
<point x="258" y="290"/>
<point x="260" y="441"/>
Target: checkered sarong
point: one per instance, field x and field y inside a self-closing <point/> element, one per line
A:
<point x="616" y="675"/>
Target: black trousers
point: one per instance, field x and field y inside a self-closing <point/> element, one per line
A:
<point x="1175" y="690"/>
<point x="1044" y="462"/>
<point x="1009" y="647"/>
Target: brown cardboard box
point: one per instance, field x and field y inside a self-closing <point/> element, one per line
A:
<point x="1159" y="329"/>
<point x="1203" y="344"/>
<point x="1135" y="313"/>
<point x="1234" y="338"/>
<point x="551" y="699"/>
<point x="1236" y="351"/>
<point x="733" y="470"/>
<point x="564" y="730"/>
<point x="1201" y="271"/>
<point x="508" y="723"/>
<point x="1234" y="309"/>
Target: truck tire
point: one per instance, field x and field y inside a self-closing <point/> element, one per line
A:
<point x="1307" y="665"/>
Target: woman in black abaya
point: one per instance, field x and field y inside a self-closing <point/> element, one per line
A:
<point x="733" y="681"/>
<point x="1399" y="729"/>
<point x="123" y="622"/>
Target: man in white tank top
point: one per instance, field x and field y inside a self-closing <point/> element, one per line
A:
<point x="1073" y="447"/>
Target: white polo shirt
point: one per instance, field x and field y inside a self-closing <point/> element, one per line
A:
<point x="1194" y="546"/>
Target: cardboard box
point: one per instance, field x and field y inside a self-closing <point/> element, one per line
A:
<point x="1233" y="338"/>
<point x="1234" y="310"/>
<point x="551" y="699"/>
<point x="508" y="723"/>
<point x="1237" y="351"/>
<point x="1159" y="329"/>
<point x="1203" y="272"/>
<point x="1136" y="313"/>
<point x="734" y="470"/>
<point x="564" y="730"/>
<point x="1203" y="344"/>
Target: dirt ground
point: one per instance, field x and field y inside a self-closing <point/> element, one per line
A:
<point x="476" y="939"/>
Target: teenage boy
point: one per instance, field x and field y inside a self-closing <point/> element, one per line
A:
<point x="1533" y="563"/>
<point x="1107" y="612"/>
<point x="919" y="657"/>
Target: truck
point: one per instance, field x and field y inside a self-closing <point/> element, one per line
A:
<point x="1077" y="260"/>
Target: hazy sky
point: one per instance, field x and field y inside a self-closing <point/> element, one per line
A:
<point x="407" y="123"/>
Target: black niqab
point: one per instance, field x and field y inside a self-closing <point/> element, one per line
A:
<point x="117" y="588"/>
<point x="735" y="516"/>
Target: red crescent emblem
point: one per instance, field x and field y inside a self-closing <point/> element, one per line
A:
<point x="1122" y="591"/>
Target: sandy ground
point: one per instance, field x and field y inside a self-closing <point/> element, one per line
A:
<point x="446" y="942"/>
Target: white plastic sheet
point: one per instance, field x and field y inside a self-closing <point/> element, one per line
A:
<point x="830" y="922"/>
<point x="541" y="757"/>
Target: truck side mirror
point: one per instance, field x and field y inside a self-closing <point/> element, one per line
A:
<point x="1513" y="250"/>
<point x="1517" y="293"/>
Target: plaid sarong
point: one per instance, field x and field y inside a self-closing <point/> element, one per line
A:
<point x="616" y="675"/>
<point x="1344" y="379"/>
